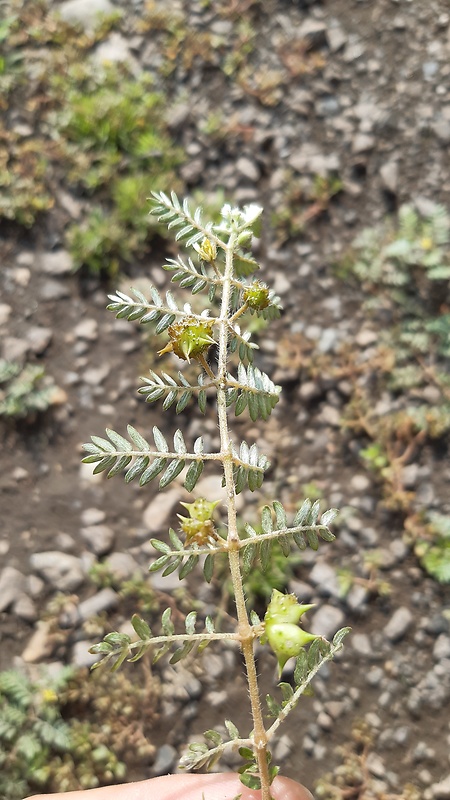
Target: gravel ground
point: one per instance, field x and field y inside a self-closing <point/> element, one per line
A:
<point x="355" y="89"/>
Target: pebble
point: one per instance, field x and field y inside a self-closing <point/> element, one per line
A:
<point x="166" y="757"/>
<point x="362" y="143"/>
<point x="441" y="790"/>
<point x="87" y="329"/>
<point x="324" y="576"/>
<point x="361" y="644"/>
<point x="248" y="169"/>
<point x="39" y="339"/>
<point x="336" y="37"/>
<point x="40" y="645"/>
<point x="99" y="538"/>
<point x="53" y="290"/>
<point x="12" y="585"/>
<point x="327" y="620"/>
<point x="15" y="349"/>
<point x="25" y="608"/>
<point x="114" y="50"/>
<point x="5" y="311"/>
<point x="56" y="263"/>
<point x="123" y="566"/>
<point x="389" y="176"/>
<point x="92" y="516"/>
<point x="85" y="12"/>
<point x="159" y="511"/>
<point x="441" y="647"/>
<point x="62" y="570"/>
<point x="81" y="657"/>
<point x="399" y="624"/>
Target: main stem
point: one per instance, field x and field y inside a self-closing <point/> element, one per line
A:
<point x="244" y="627"/>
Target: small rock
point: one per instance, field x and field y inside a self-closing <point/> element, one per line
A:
<point x="330" y="416"/>
<point x="95" y="376"/>
<point x="21" y="276"/>
<point x="104" y="600"/>
<point x="248" y="169"/>
<point x="357" y="597"/>
<point x="5" y="311"/>
<point x="442" y="131"/>
<point x="123" y="566"/>
<point x="193" y="170"/>
<point x="92" y="516"/>
<point x="314" y="31"/>
<point x="99" y="538"/>
<point x="360" y="483"/>
<point x="361" y="644"/>
<point x="165" y="758"/>
<point x="309" y="391"/>
<point x="157" y="514"/>
<point x="87" y="329"/>
<point x="39" y="339"/>
<point x="336" y="38"/>
<point x="441" y="790"/>
<point x="81" y="657"/>
<point x="53" y="290"/>
<point x="441" y="647"/>
<point x="327" y="620"/>
<point x="56" y="263"/>
<point x="40" y="645"/>
<point x="61" y="570"/>
<point x="15" y="349"/>
<point x="324" y="576"/>
<point x="283" y="748"/>
<point x="12" y="584"/>
<point x="113" y="50"/>
<point x="85" y="12"/>
<point x="362" y="143"/>
<point x="399" y="624"/>
<point x="24" y="608"/>
<point x="389" y="176"/>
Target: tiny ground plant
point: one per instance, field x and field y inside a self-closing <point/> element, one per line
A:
<point x="222" y="266"/>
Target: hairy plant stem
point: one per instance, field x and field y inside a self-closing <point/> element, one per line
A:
<point x="244" y="628"/>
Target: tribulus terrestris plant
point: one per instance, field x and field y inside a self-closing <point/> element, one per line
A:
<point x="222" y="266"/>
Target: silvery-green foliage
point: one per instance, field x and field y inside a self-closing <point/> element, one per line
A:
<point x="220" y="265"/>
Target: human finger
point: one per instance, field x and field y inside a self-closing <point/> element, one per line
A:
<point x="223" y="786"/>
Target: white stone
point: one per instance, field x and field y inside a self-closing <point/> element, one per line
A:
<point x="85" y="12"/>
<point x="59" y="262"/>
<point x="157" y="515"/>
<point x="87" y="329"/>
<point x="99" y="538"/>
<point x="62" y="570"/>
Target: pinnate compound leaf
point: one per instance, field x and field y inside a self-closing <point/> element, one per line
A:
<point x="280" y="515"/>
<point x="340" y="636"/>
<point x="190" y="622"/>
<point x="138" y="440"/>
<point x="160" y="563"/>
<point x="193" y="474"/>
<point x="160" y="442"/>
<point x="166" y="622"/>
<point x="328" y="516"/>
<point x="303" y="513"/>
<point x="233" y="732"/>
<point x="188" y="566"/>
<point x="208" y="568"/>
<point x="141" y="627"/>
<point x="181" y="652"/>
<point x="172" y="471"/>
<point x="137" y="468"/>
<point x="152" y="471"/>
